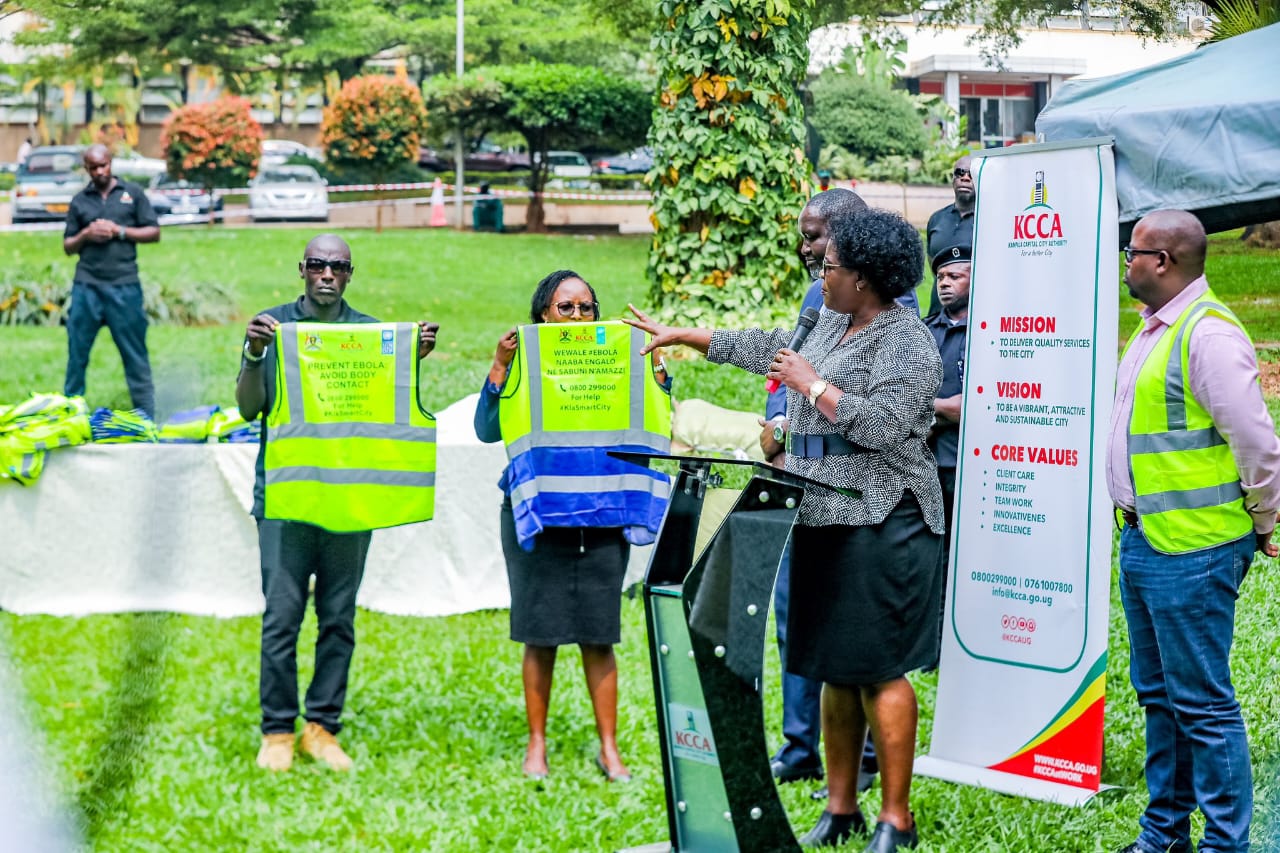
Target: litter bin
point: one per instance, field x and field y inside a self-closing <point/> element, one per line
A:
<point x="486" y="213"/>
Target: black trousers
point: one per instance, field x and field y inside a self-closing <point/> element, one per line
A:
<point x="119" y="308"/>
<point x="291" y="553"/>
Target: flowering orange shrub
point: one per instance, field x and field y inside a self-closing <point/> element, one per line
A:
<point x="375" y="122"/>
<point x="215" y="145"/>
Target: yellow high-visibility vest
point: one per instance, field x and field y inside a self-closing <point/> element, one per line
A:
<point x="349" y="447"/>
<point x="575" y="392"/>
<point x="1185" y="481"/>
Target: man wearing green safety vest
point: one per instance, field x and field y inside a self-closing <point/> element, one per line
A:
<point x="1193" y="465"/>
<point x="291" y="551"/>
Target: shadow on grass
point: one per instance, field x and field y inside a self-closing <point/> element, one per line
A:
<point x="132" y="708"/>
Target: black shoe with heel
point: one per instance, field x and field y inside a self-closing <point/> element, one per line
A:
<point x="888" y="838"/>
<point x="835" y="829"/>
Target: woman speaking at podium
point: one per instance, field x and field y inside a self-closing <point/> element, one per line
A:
<point x="566" y="552"/>
<point x="866" y="576"/>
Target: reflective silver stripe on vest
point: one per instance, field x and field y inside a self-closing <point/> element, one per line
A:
<point x="292" y="375"/>
<point x="29" y="461"/>
<point x="395" y="432"/>
<point x="1165" y="442"/>
<point x="349" y="476"/>
<point x="589" y="484"/>
<point x="1204" y="498"/>
<point x="1175" y="395"/>
<point x="588" y="438"/>
<point x="635" y="391"/>
<point x="406" y="349"/>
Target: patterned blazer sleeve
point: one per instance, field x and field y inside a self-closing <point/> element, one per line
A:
<point x="904" y="379"/>
<point x="751" y="349"/>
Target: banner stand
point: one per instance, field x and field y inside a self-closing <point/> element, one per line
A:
<point x="1022" y="678"/>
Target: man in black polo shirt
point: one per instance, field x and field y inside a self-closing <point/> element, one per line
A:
<point x="952" y="225"/>
<point x="292" y="551"/>
<point x="104" y="222"/>
<point x="949" y="327"/>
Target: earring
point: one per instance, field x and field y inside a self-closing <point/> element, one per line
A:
<point x="860" y="287"/>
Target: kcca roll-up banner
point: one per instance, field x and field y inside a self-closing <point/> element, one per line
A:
<point x="1021" y="683"/>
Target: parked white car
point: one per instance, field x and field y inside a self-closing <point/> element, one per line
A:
<point x="288" y="192"/>
<point x="568" y="164"/>
<point x="133" y="166"/>
<point x="277" y="151"/>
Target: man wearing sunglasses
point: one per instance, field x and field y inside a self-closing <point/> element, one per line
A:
<point x="290" y="551"/>
<point x="1193" y="467"/>
<point x="952" y="225"/>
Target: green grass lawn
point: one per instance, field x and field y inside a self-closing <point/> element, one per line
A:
<point x="150" y="720"/>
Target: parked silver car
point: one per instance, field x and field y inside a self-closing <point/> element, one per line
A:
<point x="46" y="183"/>
<point x="288" y="192"/>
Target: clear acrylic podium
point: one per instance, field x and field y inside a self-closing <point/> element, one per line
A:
<point x="706" y="625"/>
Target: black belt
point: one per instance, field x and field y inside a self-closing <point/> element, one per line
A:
<point x="817" y="446"/>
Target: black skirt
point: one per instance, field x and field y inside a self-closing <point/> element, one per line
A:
<point x="568" y="589"/>
<point x="865" y="601"/>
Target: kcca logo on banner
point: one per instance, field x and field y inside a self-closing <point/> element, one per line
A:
<point x="1038" y="225"/>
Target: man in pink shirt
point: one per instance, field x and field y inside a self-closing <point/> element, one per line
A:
<point x="1193" y="466"/>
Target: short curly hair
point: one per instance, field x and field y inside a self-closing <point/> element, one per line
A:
<point x="883" y="247"/>
<point x="546" y="288"/>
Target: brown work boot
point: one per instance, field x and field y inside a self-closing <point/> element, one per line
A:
<point x="276" y="752"/>
<point x="323" y="746"/>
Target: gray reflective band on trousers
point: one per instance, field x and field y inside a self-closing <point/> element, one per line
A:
<point x="395" y="432"/>
<point x="1166" y="442"/>
<point x="1175" y="394"/>
<point x="589" y="484"/>
<point x="406" y="350"/>
<point x="635" y="391"/>
<point x="349" y="476"/>
<point x="1209" y="496"/>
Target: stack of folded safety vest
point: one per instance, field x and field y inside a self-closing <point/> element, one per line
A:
<point x="227" y="425"/>
<point x="40" y="423"/>
<point x="208" y="423"/>
<point x="116" y="426"/>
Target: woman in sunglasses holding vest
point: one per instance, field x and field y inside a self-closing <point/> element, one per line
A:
<point x="566" y="581"/>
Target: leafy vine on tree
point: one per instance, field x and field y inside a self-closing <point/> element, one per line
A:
<point x="731" y="176"/>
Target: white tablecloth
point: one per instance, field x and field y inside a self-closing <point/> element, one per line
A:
<point x="114" y="528"/>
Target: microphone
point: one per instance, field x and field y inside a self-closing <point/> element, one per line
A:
<point x="803" y="327"/>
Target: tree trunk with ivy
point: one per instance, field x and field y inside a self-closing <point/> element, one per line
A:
<point x="731" y="175"/>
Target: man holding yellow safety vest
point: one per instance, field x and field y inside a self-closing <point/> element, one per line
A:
<point x="292" y="551"/>
<point x="1193" y="466"/>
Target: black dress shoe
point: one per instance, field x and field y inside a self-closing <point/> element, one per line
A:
<point x="888" y="838"/>
<point x="784" y="772"/>
<point x="834" y="829"/>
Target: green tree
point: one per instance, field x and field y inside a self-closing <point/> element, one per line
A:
<point x="551" y="106"/>
<point x="732" y="176"/>
<point x="214" y="145"/>
<point x="868" y="120"/>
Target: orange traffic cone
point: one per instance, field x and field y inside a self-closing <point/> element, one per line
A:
<point x="437" y="205"/>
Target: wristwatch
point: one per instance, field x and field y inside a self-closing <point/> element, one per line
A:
<point x="816" y="390"/>
<point x="779" y="431"/>
<point x="250" y="357"/>
<point x="120" y="233"/>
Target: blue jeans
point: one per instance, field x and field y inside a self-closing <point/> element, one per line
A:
<point x="1181" y="614"/>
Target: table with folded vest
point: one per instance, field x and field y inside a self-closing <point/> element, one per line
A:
<point x="128" y="527"/>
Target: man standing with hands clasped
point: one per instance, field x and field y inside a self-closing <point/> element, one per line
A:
<point x="952" y="225"/>
<point x="292" y="551"/>
<point x="1193" y="465"/>
<point x="104" y="222"/>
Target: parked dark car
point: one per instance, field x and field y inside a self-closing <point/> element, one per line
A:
<point x="176" y="202"/>
<point x="634" y="162"/>
<point x="487" y="158"/>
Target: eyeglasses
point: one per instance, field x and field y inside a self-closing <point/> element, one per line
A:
<point x="960" y="173"/>
<point x="827" y="265"/>
<point x="1130" y="252"/>
<point x="339" y="266"/>
<point x="586" y="309"/>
